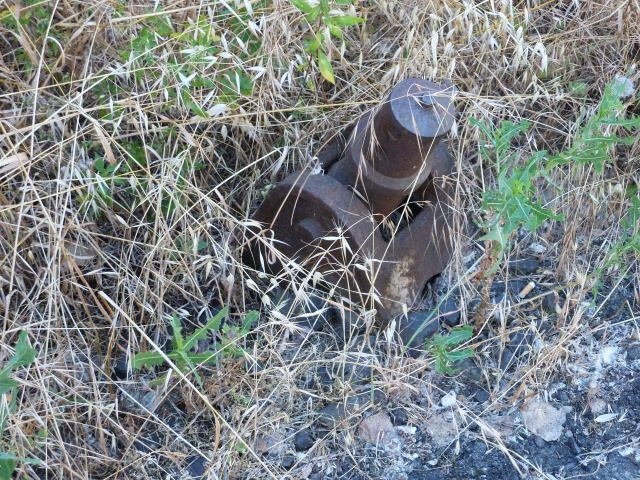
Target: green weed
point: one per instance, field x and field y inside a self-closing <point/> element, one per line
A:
<point x="629" y="242"/>
<point x="183" y="349"/>
<point x="444" y="348"/>
<point x="24" y="356"/>
<point x="326" y="21"/>
<point x="512" y="204"/>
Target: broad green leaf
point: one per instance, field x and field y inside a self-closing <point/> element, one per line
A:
<point x="203" y="358"/>
<point x="457" y="355"/>
<point x="10" y="456"/>
<point x="249" y="320"/>
<point x="312" y="45"/>
<point x="302" y="5"/>
<point x="192" y="104"/>
<point x="442" y="367"/>
<point x="212" y="325"/>
<point x="23" y="356"/>
<point x="7" y="385"/>
<point x="7" y="466"/>
<point x="457" y="336"/>
<point x="346" y="20"/>
<point x="177" y="340"/>
<point x="147" y="359"/>
<point x="326" y="70"/>
<point x="335" y="31"/>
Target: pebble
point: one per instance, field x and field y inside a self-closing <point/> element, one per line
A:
<point x="540" y="443"/>
<point x="333" y="414"/>
<point x="518" y="344"/>
<point x="399" y="416"/>
<point x="573" y="445"/>
<point x="450" y="312"/>
<point x="288" y="461"/>
<point x="500" y="291"/>
<point x="582" y="440"/>
<point x="120" y="368"/>
<point x="303" y="440"/>
<point x="414" y="330"/>
<point x="525" y="266"/>
<point x="549" y="302"/>
<point x="633" y="352"/>
<point x="481" y="395"/>
<point x="469" y="371"/>
<point x="196" y="467"/>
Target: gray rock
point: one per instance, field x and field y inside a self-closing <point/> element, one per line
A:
<point x="518" y="344"/>
<point x="120" y="368"/>
<point x="288" y="461"/>
<point x="324" y="313"/>
<point x="501" y="291"/>
<point x="303" y="440"/>
<point x="449" y="312"/>
<point x="549" y="302"/>
<point x="323" y="377"/>
<point x="524" y="266"/>
<point x="333" y="414"/>
<point x="416" y="328"/>
<point x="481" y="395"/>
<point x="633" y="352"/>
<point x="399" y="416"/>
<point x="469" y="371"/>
<point x="196" y="467"/>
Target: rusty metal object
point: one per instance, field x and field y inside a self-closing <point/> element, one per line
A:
<point x="332" y="219"/>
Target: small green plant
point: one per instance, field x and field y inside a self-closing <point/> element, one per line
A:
<point x="595" y="139"/>
<point x="183" y="349"/>
<point x="443" y="348"/>
<point x="326" y="21"/>
<point x="629" y="241"/>
<point x="512" y="205"/>
<point x="127" y="185"/>
<point x="34" y="21"/>
<point x="23" y="356"/>
<point x="201" y="67"/>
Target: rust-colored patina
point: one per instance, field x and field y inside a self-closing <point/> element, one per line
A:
<point x="331" y="217"/>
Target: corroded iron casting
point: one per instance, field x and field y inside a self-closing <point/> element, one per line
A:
<point x="373" y="215"/>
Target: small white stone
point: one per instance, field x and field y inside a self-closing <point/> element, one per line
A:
<point x="449" y="399"/>
<point x="537" y="248"/>
<point x="608" y="355"/>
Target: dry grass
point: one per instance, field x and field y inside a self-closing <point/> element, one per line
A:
<point x="93" y="291"/>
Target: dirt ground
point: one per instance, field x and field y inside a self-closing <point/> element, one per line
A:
<point x="136" y="141"/>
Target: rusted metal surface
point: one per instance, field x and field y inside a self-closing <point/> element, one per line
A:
<point x="331" y="220"/>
